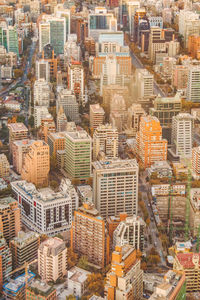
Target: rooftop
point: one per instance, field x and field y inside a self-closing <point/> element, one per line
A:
<point x="54" y="245"/>
<point x="96" y="108"/>
<point x="16" y="127"/>
<point x="6" y="201"/>
<point x="42" y="287"/>
<point x="125" y="164"/>
<point x="78" y="135"/>
<point x="188" y="260"/>
<point x="78" y="275"/>
<point x="25" y="238"/>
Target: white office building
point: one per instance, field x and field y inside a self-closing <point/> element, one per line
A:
<point x="193" y="87"/>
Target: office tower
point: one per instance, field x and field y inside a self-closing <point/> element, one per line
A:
<point x="52" y="259"/>
<point x="151" y="147"/>
<point x="17" y="131"/>
<point x="105" y="140"/>
<point x="188" y="263"/>
<point x="196" y="162"/>
<point x="125" y="280"/>
<point x="96" y="116"/>
<point x="115" y="187"/>
<point x="101" y="21"/>
<point x="182" y="134"/>
<point x="134" y="114"/>
<point x="144" y="83"/>
<point x="61" y="11"/>
<point x="47" y="126"/>
<point x="156" y="42"/>
<point x="52" y="30"/>
<point x="12" y="40"/>
<point x="42" y="70"/>
<point x="76" y="82"/>
<point x="40" y="290"/>
<point x="10" y="219"/>
<point x="165" y="108"/>
<point x="4" y="166"/>
<point x="89" y="236"/>
<point x="39" y="114"/>
<point x="24" y="248"/>
<point x="78" y="154"/>
<point x="20" y="148"/>
<point x="168" y="64"/>
<point x="193" y="86"/>
<point x="41" y="93"/>
<point x="188" y="24"/>
<point x="180" y="77"/>
<point x="5" y="261"/>
<point x="46" y="211"/>
<point x="67" y="100"/>
<point x="36" y="164"/>
<point x="56" y="141"/>
<point x="61" y="119"/>
<point x="130" y="231"/>
<point x="139" y="14"/>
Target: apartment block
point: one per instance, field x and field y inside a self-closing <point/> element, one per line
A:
<point x="5" y="261"/>
<point x="61" y="122"/>
<point x="40" y="290"/>
<point x="182" y="134"/>
<point x="17" y="131"/>
<point x="109" y="91"/>
<point x="47" y="126"/>
<point x="76" y="81"/>
<point x="78" y="154"/>
<point x="4" y="166"/>
<point x="45" y="211"/>
<point x="56" y="141"/>
<point x="194" y="46"/>
<point x="41" y="93"/>
<point x="77" y="281"/>
<point x="24" y="248"/>
<point x="195" y="210"/>
<point x="96" y="116"/>
<point x="135" y="112"/>
<point x="165" y="108"/>
<point x="189" y="263"/>
<point x="42" y="70"/>
<point x="52" y="259"/>
<point x="67" y="100"/>
<point x="180" y="77"/>
<point x="115" y="187"/>
<point x="20" y="149"/>
<point x="125" y="279"/>
<point x="105" y="140"/>
<point x="130" y="231"/>
<point x="39" y="114"/>
<point x="151" y="147"/>
<point x="144" y="83"/>
<point x="193" y="86"/>
<point x="37" y="164"/>
<point x="89" y="236"/>
<point x="10" y="218"/>
<point x="196" y="162"/>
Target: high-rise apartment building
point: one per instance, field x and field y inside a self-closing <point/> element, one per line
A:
<point x="105" y="140"/>
<point x="41" y="93"/>
<point x="156" y="42"/>
<point x="45" y="211"/>
<point x="130" y="231"/>
<point x="20" y="148"/>
<point x="39" y="114"/>
<point x="61" y="121"/>
<point x="47" y="126"/>
<point x="56" y="141"/>
<point x="180" y="77"/>
<point x="196" y="162"/>
<point x="96" y="115"/>
<point x="89" y="236"/>
<point x="17" y="131"/>
<point x="4" y="166"/>
<point x="24" y="248"/>
<point x="10" y="219"/>
<point x="145" y="84"/>
<point x="5" y="261"/>
<point x="44" y="34"/>
<point x="182" y="134"/>
<point x="135" y="112"/>
<point x="76" y="82"/>
<point x="52" y="259"/>
<point x="78" y="154"/>
<point x="48" y="55"/>
<point x="151" y="147"/>
<point x="37" y="164"/>
<point x="194" y="46"/>
<point x="165" y="108"/>
<point x="42" y="70"/>
<point x="67" y="100"/>
<point x="125" y="279"/>
<point x="193" y="86"/>
<point x="115" y="187"/>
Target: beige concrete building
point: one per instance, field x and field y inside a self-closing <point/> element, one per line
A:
<point x="135" y="112"/>
<point x="17" y="131"/>
<point x="156" y="42"/>
<point x="109" y="90"/>
<point x="20" y="148"/>
<point x="118" y="112"/>
<point x="37" y="164"/>
<point x="196" y="162"/>
<point x="144" y="84"/>
<point x="41" y="92"/>
<point x="105" y="140"/>
<point x="52" y="259"/>
<point x="96" y="115"/>
<point x="195" y="210"/>
<point x="4" y="166"/>
<point x="115" y="187"/>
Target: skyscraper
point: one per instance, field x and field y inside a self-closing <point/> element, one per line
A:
<point x="36" y="164"/>
<point x="115" y="187"/>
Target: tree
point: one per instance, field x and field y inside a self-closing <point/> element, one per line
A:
<point x="18" y="73"/>
<point x="153" y="257"/>
<point x="29" y="76"/>
<point x="31" y="121"/>
<point x="83" y="263"/>
<point x="72" y="258"/>
<point x="143" y="265"/>
<point x="95" y="284"/>
<point x="53" y="162"/>
<point x="20" y="119"/>
<point x="148" y="221"/>
<point x="54" y="184"/>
